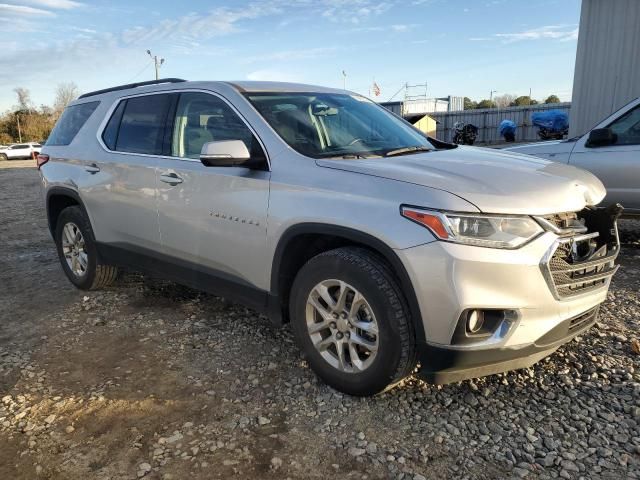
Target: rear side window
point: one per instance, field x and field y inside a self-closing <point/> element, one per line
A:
<point x="137" y="125"/>
<point x="70" y="123"/>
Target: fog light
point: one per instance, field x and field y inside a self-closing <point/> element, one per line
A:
<point x="475" y="321"/>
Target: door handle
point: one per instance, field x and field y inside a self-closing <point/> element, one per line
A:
<point x="170" y="178"/>
<point x="92" y="169"/>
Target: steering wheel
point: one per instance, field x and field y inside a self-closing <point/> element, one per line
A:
<point x="354" y="141"/>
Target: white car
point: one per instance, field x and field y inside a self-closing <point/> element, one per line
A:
<point x="20" y="150"/>
<point x="611" y="151"/>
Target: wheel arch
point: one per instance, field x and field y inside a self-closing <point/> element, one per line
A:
<point x="57" y="199"/>
<point x="303" y="241"/>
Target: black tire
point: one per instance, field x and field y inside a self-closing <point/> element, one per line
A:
<point x="97" y="275"/>
<point x="3" y="157"/>
<point x="369" y="274"/>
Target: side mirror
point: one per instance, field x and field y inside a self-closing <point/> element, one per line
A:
<point x="224" y="153"/>
<point x="601" y="137"/>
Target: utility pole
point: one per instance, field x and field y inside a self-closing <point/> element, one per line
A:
<point x="529" y="95"/>
<point x="491" y="95"/>
<point x="158" y="63"/>
<point x="344" y="80"/>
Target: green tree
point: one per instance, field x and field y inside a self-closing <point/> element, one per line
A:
<point x="469" y="104"/>
<point x="552" y="99"/>
<point x="486" y="104"/>
<point x="522" y="100"/>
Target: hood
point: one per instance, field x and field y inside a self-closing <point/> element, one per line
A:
<point x="543" y="149"/>
<point x="493" y="180"/>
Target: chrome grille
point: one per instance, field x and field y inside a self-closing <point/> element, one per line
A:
<point x="578" y="264"/>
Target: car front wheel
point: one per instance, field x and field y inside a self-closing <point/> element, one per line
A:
<point x="351" y="321"/>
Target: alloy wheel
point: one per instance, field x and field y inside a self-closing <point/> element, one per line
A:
<point x="342" y="326"/>
<point x="73" y="248"/>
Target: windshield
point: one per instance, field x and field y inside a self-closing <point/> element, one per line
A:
<point x="322" y="125"/>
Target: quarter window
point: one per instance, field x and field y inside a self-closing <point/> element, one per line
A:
<point x="627" y="128"/>
<point x="70" y="123"/>
<point x="137" y="125"/>
<point x="202" y="118"/>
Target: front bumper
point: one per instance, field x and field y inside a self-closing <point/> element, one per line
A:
<point x="451" y="279"/>
<point x="440" y="365"/>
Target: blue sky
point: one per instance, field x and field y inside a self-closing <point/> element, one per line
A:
<point x="459" y="47"/>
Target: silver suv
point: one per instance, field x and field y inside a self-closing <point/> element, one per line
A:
<point x="384" y="249"/>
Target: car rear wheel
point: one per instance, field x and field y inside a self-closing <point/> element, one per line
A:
<point x="77" y="251"/>
<point x="3" y="157"/>
<point x="352" y="322"/>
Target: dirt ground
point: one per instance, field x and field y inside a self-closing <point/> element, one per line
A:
<point x="150" y="379"/>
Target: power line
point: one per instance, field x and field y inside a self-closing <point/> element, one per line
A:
<point x="139" y="73"/>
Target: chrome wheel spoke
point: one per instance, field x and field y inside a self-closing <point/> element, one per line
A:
<point x="363" y="342"/>
<point x="325" y="343"/>
<point x="369" y="327"/>
<point x="323" y="311"/>
<point x="355" y="357"/>
<point x="342" y="361"/>
<point x="83" y="259"/>
<point x="318" y="327"/>
<point x="323" y="292"/>
<point x="357" y="302"/>
<point x="342" y="297"/>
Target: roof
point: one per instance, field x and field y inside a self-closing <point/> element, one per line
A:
<point x="165" y="84"/>
<point x="256" y="87"/>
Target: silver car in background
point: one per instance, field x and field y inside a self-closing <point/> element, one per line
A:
<point x="611" y="151"/>
<point x="383" y="248"/>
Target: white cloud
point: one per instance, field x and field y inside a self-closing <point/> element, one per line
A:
<point x="398" y="28"/>
<point x="553" y="32"/>
<point x="56" y="4"/>
<point x="352" y="11"/>
<point x="22" y="10"/>
<point x="218" y="22"/>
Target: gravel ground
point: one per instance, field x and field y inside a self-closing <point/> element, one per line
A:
<point x="150" y="379"/>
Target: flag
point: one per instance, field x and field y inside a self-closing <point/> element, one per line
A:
<point x="376" y="89"/>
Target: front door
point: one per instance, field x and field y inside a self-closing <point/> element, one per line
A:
<point x="616" y="165"/>
<point x="213" y="220"/>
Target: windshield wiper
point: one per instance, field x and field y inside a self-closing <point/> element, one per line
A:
<point x="404" y="150"/>
<point x="349" y="156"/>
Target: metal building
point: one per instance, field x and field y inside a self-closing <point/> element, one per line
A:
<point x="607" y="72"/>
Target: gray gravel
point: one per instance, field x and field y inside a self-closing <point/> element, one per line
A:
<point x="152" y="380"/>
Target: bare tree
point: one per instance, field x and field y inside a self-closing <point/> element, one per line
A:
<point x="24" y="98"/>
<point x="65" y="93"/>
<point x="503" y="101"/>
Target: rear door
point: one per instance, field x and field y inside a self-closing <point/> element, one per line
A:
<point x="616" y="165"/>
<point x="213" y="220"/>
<point x="120" y="191"/>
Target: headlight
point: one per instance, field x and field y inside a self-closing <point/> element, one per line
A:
<point x="494" y="231"/>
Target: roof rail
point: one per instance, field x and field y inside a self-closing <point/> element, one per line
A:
<point x="132" y="85"/>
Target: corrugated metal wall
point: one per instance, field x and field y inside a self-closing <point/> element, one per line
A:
<point x="607" y="73"/>
<point x="488" y="120"/>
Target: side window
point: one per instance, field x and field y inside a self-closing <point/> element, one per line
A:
<point x="138" y="124"/>
<point x="110" y="133"/>
<point x="202" y="118"/>
<point x="70" y="123"/>
<point x="627" y="128"/>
